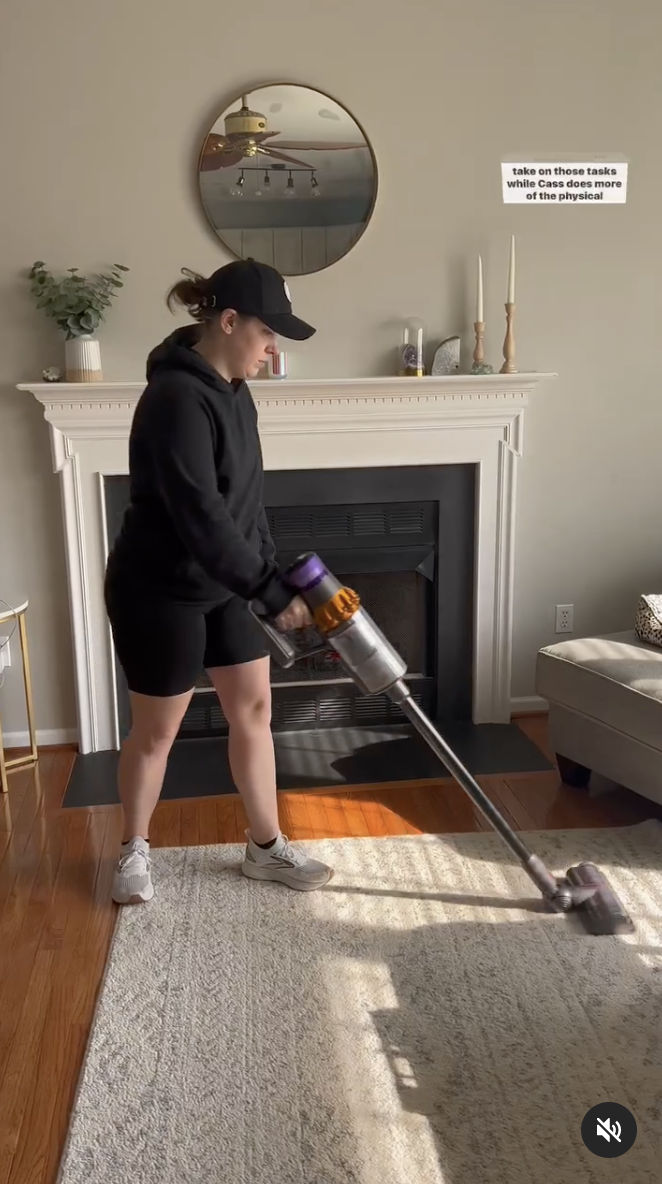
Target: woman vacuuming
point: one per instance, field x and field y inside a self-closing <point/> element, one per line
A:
<point x="194" y="548"/>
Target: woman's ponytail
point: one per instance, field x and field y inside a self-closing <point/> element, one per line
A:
<point x="191" y="294"/>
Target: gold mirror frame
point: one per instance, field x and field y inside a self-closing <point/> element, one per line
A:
<point x="232" y="107"/>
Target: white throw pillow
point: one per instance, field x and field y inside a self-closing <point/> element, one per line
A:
<point x="648" y="621"/>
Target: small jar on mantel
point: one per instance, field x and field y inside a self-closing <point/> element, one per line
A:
<point x="412" y="349"/>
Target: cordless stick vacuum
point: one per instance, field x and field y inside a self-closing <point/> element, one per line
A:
<point x="343" y="627"/>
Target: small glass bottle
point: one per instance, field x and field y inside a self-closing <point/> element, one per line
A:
<point x="412" y="348"/>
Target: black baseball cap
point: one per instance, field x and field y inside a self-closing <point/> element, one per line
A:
<point x="257" y="290"/>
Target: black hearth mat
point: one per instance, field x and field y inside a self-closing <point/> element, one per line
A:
<point x="314" y="760"/>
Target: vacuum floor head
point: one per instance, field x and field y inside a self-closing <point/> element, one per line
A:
<point x="596" y="903"/>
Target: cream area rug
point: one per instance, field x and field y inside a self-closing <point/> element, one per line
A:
<point x="418" y="1021"/>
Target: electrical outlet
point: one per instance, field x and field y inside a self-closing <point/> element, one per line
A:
<point x="5" y="654"/>
<point x="565" y="618"/>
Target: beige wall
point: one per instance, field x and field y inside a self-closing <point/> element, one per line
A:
<point x="103" y="109"/>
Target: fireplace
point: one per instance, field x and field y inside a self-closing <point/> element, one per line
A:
<point x="311" y="429"/>
<point x="403" y="538"/>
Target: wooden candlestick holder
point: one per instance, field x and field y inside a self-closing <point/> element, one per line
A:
<point x="479" y="329"/>
<point x="509" y="366"/>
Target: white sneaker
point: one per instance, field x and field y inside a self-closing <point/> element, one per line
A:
<point x="132" y="882"/>
<point x="286" y="863"/>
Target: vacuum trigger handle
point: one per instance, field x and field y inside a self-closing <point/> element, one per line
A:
<point x="284" y="651"/>
<point x="281" y="646"/>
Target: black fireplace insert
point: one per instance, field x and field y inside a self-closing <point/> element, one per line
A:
<point x="403" y="538"/>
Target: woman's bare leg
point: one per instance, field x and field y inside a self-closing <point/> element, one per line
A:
<point x="144" y="756"/>
<point x="245" y="695"/>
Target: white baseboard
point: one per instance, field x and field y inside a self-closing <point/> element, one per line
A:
<point x="46" y="737"/>
<point x="50" y="737"/>
<point x="528" y="704"/>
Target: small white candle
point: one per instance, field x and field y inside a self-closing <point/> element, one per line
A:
<point x="479" y="297"/>
<point x="511" y="272"/>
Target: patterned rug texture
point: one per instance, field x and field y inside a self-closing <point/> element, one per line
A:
<point x="422" y="1020"/>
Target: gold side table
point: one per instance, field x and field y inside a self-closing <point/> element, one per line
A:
<point x="29" y="760"/>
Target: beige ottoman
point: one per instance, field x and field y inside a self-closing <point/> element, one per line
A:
<point x="605" y="709"/>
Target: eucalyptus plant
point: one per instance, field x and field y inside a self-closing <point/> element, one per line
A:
<point x="75" y="302"/>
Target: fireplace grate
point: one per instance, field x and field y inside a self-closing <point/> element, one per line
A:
<point x="204" y="716"/>
<point x="290" y="524"/>
<point x="351" y="709"/>
<point x="328" y="711"/>
<point x="318" y="707"/>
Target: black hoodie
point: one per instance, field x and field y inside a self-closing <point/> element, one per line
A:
<point x="195" y="530"/>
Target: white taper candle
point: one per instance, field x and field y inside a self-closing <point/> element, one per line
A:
<point x="511" y="272"/>
<point x="479" y="296"/>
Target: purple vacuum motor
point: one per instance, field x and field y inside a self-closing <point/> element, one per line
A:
<point x="306" y="572"/>
<point x="312" y="580"/>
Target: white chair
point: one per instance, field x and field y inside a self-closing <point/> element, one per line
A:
<point x="28" y="760"/>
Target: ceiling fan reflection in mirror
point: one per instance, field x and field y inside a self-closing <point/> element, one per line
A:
<point x="246" y="133"/>
<point x="275" y="147"/>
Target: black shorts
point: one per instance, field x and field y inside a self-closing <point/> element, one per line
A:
<point x="164" y="647"/>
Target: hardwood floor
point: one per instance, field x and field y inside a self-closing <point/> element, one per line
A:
<point x="56" y="917"/>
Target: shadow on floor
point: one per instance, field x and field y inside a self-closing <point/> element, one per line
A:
<point x="334" y="757"/>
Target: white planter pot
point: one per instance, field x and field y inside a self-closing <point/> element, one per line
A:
<point x="82" y="357"/>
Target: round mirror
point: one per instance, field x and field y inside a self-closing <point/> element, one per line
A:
<point x="288" y="177"/>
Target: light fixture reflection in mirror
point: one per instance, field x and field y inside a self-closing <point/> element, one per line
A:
<point x="288" y="177"/>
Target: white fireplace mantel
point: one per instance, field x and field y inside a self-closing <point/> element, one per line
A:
<point x="304" y="423"/>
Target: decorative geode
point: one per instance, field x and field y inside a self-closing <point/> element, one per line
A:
<point x="482" y="368"/>
<point x="447" y="357"/>
<point x="51" y="374"/>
